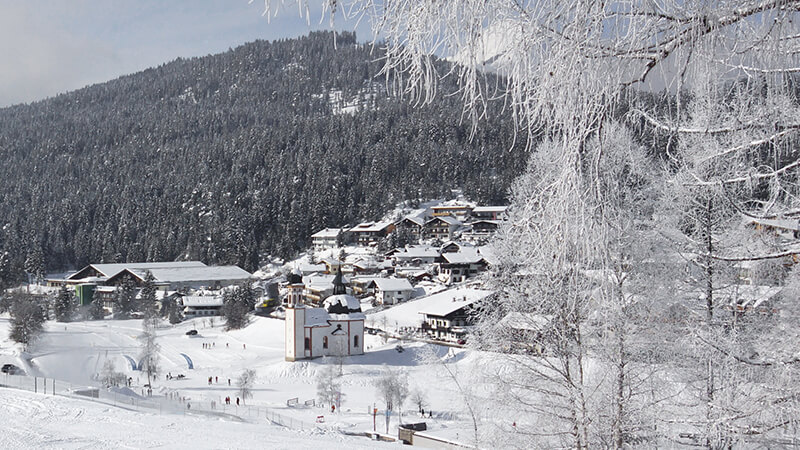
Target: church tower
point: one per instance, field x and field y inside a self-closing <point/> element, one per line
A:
<point x="295" y="318"/>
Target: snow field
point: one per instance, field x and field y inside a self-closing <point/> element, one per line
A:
<point x="75" y="351"/>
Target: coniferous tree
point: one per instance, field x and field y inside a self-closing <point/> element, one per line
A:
<point x="147" y="298"/>
<point x="175" y="314"/>
<point x="96" y="310"/>
<point x="237" y="303"/>
<point x="124" y="299"/>
<point x="64" y="305"/>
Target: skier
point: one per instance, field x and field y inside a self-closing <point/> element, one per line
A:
<point x="216" y="380"/>
<point x="333" y="409"/>
<point x="237" y="401"/>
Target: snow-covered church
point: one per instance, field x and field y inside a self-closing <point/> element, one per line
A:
<point x="333" y="330"/>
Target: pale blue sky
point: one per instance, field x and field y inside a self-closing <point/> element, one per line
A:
<point x="52" y="46"/>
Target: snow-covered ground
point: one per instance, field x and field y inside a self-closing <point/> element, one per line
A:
<point x="73" y="352"/>
<point x="41" y="421"/>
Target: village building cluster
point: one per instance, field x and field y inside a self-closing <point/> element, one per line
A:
<point x="442" y="249"/>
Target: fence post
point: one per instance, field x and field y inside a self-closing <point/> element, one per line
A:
<point x="35" y="385"/>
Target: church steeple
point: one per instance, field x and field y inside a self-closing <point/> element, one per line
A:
<point x="338" y="285"/>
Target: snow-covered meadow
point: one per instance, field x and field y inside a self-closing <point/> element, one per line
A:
<point x="73" y="353"/>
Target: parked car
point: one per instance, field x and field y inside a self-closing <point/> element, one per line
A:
<point x="10" y="369"/>
<point x="191" y="333"/>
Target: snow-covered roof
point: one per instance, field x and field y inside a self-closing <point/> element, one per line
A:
<point x="111" y="269"/>
<point x="446" y="302"/>
<point x="489" y="254"/>
<point x="393" y="284"/>
<point x="317" y="317"/>
<point x="784" y="224"/>
<point x="446" y="219"/>
<point x="448" y="206"/>
<point x="489" y="209"/>
<point x="465" y="255"/>
<point x="322" y="281"/>
<point x="419" y="220"/>
<point x="747" y="296"/>
<point x="327" y="233"/>
<point x="305" y="268"/>
<point x="343" y="300"/>
<point x="197" y="300"/>
<point x="370" y="227"/>
<point x="199" y="273"/>
<point x="417" y="251"/>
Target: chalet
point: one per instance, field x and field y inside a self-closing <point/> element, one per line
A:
<point x="526" y="332"/>
<point x="336" y="329"/>
<point x="327" y="238"/>
<point x="441" y="228"/>
<point x="459" y="266"/>
<point x="453" y="246"/>
<point x="363" y="285"/>
<point x="366" y="266"/>
<point x="489" y="212"/>
<point x="369" y="233"/>
<point x="333" y="265"/>
<point x="319" y="287"/>
<point x="201" y="306"/>
<point x="390" y="291"/>
<point x="416" y="255"/>
<point x="448" y="315"/>
<point x="413" y="225"/>
<point x="481" y="229"/>
<point x="458" y="211"/>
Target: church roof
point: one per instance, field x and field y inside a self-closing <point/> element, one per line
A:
<point x="342" y="304"/>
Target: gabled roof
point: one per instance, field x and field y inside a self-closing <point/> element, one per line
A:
<point x="464" y="256"/>
<point x="327" y="233"/>
<point x="191" y="274"/>
<point x="111" y="269"/>
<point x="393" y="284"/>
<point x="450" y="301"/>
<point x="418" y="220"/>
<point x="418" y="251"/>
<point x="447" y="219"/>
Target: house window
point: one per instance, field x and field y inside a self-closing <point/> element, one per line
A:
<point x="355" y="341"/>
<point x="324" y="341"/>
<point x="307" y="344"/>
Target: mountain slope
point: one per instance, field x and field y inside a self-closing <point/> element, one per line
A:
<point x="230" y="157"/>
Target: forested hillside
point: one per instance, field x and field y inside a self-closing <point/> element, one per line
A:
<point x="232" y="157"/>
